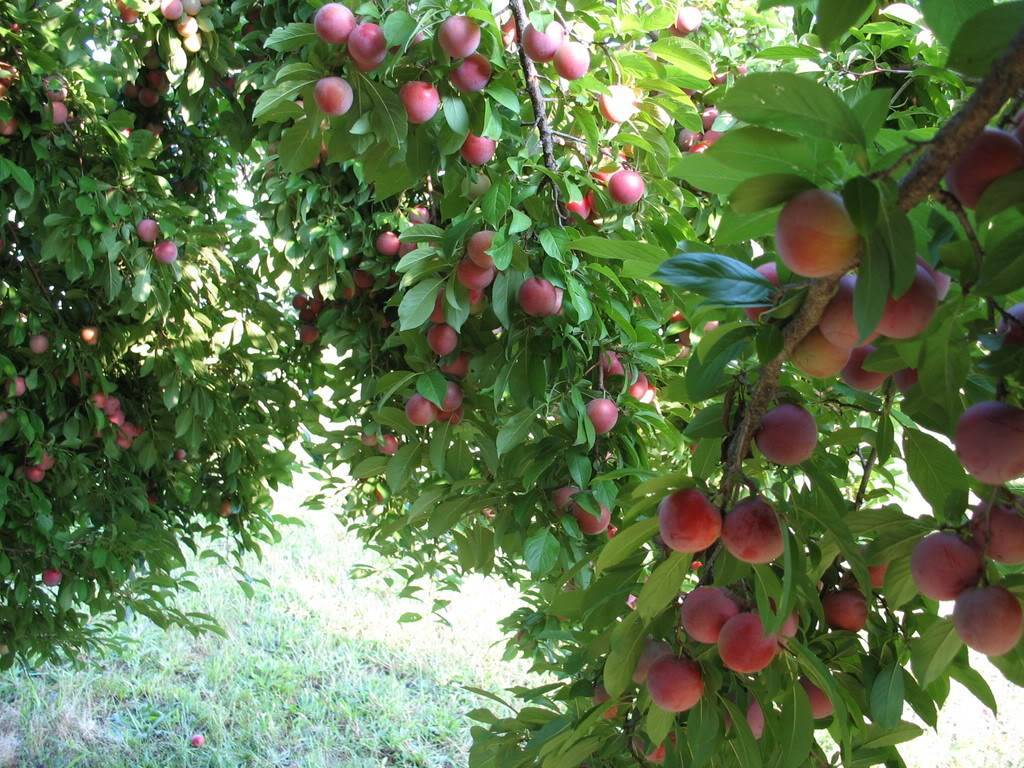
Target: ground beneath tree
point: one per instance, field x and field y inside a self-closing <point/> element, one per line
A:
<point x="318" y="672"/>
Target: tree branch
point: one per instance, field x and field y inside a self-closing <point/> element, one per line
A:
<point x="873" y="453"/>
<point x="547" y="142"/>
<point x="1004" y="80"/>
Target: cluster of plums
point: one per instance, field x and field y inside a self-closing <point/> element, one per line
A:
<point x="164" y="251"/>
<point x="945" y="566"/>
<point x="114" y="413"/>
<point x="183" y="14"/>
<point x="309" y="310"/>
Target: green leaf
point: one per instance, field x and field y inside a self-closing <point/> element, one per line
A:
<point x="398" y="28"/>
<point x="496" y="202"/>
<point x="658" y="723"/>
<point x="627" y="642"/>
<point x="762" y="192"/>
<point x="540" y="552"/>
<point x="663" y="585"/>
<point x="401" y="465"/>
<point x="691" y="66"/>
<point x="432" y="386"/>
<point x="1002" y="271"/>
<point x="370" y="467"/>
<point x="515" y="430"/>
<point x="932" y="652"/>
<point x="863" y="202"/>
<point x="455" y="115"/>
<point x="719" y="279"/>
<point x="984" y="37"/>
<point x="418" y="303"/>
<point x="886" y="700"/>
<point x="291" y="37"/>
<point x="945" y="18"/>
<point x="873" y="286"/>
<point x="299" y="146"/>
<point x="793" y="103"/>
<point x="278" y="104"/>
<point x="796" y="726"/>
<point x="835" y="17"/>
<point x="933" y="468"/>
<point x="625" y="543"/>
<point x="639" y="260"/>
<point x="1005" y="192"/>
<point x="741" y="747"/>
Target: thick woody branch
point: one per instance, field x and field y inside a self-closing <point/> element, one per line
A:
<point x="1003" y="82"/>
<point x="547" y="142"/>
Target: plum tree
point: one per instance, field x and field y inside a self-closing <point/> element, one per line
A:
<point x="472" y="74"/>
<point x="821" y="705"/>
<point x="652" y="651"/>
<point x="688" y="522"/>
<point x="837" y="323"/>
<point x="603" y="414"/>
<point x="459" y="36"/>
<point x="704" y="611"/>
<point x="815" y="236"/>
<point x="333" y="95"/>
<point x="525" y="167"/>
<point x="478" y="150"/>
<point x="591" y="524"/>
<point x="626" y="187"/>
<point x="572" y="60"/>
<point x="818" y="357"/>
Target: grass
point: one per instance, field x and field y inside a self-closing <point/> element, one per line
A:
<point x="317" y="672"/>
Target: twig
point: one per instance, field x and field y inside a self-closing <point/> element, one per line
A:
<point x="547" y="143"/>
<point x="869" y="465"/>
<point x="953" y="205"/>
